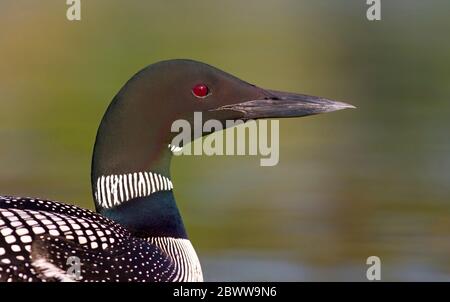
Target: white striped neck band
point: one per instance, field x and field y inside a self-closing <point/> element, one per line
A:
<point x="112" y="190"/>
<point x="184" y="257"/>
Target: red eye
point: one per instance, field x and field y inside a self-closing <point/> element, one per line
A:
<point x="200" y="90"/>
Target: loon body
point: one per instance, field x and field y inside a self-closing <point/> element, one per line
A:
<point x="136" y="233"/>
<point x="39" y="236"/>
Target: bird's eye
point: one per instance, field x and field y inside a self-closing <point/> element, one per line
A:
<point x="200" y="90"/>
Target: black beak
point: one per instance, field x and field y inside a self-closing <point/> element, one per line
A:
<point x="278" y="104"/>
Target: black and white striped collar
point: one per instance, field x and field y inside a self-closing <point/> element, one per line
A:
<point x="183" y="255"/>
<point x="113" y="190"/>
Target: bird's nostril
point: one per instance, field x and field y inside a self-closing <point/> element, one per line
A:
<point x="272" y="98"/>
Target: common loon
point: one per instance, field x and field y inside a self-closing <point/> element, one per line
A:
<point x="137" y="233"/>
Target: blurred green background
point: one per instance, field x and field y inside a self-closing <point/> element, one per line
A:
<point x="351" y="184"/>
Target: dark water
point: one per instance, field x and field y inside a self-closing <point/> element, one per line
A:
<point x="371" y="181"/>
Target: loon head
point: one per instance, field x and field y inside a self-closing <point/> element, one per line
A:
<point x="136" y="129"/>
<point x="175" y="89"/>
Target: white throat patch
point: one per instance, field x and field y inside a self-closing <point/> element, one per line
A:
<point x="112" y="190"/>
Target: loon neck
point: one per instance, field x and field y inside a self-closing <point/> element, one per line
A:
<point x="130" y="174"/>
<point x="131" y="137"/>
<point x="155" y="215"/>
